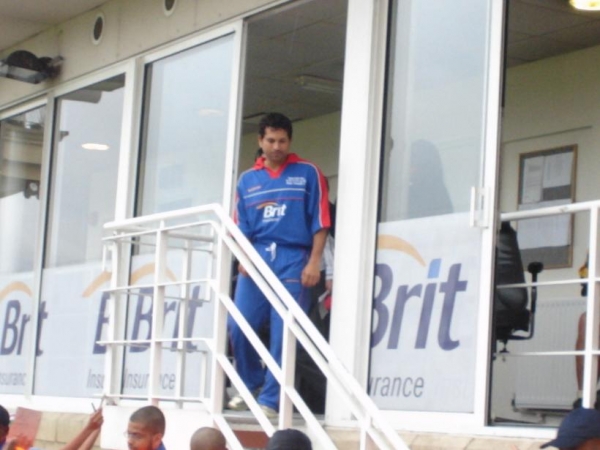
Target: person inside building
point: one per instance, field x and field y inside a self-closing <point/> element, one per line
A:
<point x="579" y="430"/>
<point x="427" y="192"/>
<point x="282" y="208"/>
<point x="146" y="429"/>
<point x="289" y="439"/>
<point x="208" y="438"/>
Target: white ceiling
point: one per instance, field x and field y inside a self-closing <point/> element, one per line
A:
<point x="304" y="39"/>
<point x="540" y="29"/>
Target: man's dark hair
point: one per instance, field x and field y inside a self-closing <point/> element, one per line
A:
<point x="289" y="439"/>
<point x="4" y="417"/>
<point x="277" y="121"/>
<point x="151" y="417"/>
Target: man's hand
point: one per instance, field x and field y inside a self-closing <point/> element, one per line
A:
<point x="95" y="421"/>
<point x="311" y="274"/>
<point x="242" y="270"/>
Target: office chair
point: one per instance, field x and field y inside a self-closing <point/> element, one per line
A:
<point x="512" y="317"/>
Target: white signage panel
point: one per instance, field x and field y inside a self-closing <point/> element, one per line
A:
<point x="15" y="331"/>
<point x="69" y="363"/>
<point x="199" y="324"/>
<point x="74" y="316"/>
<point x="425" y="314"/>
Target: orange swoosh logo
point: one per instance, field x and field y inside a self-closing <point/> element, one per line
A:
<point x="104" y="277"/>
<point x="388" y="242"/>
<point x="15" y="286"/>
<point x="146" y="270"/>
<point x="98" y="281"/>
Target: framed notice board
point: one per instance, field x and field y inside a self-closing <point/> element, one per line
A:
<point x="547" y="178"/>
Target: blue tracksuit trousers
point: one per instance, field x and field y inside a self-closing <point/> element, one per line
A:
<point x="287" y="263"/>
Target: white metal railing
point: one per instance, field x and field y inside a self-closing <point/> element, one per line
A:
<point x="590" y="369"/>
<point x="209" y="229"/>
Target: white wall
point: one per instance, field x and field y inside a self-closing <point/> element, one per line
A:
<point x="551" y="103"/>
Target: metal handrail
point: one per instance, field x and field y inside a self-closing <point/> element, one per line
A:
<point x="590" y="370"/>
<point x="569" y="208"/>
<point x="297" y="326"/>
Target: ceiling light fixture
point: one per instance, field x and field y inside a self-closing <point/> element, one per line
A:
<point x="93" y="146"/>
<point x="319" y="84"/>
<point x="586" y="5"/>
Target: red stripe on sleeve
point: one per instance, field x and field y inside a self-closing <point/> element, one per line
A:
<point x="324" y="216"/>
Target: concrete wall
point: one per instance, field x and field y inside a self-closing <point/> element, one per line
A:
<point x="57" y="429"/>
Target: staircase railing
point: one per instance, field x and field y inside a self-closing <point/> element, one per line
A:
<point x="210" y="230"/>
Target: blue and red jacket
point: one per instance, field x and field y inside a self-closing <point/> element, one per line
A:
<point x="287" y="206"/>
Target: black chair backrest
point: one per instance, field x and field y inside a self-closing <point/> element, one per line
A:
<point x="511" y="313"/>
<point x="510" y="304"/>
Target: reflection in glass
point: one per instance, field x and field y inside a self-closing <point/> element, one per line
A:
<point x="82" y="198"/>
<point x="84" y="180"/>
<point x="427" y="193"/>
<point x="21" y="140"/>
<point x="432" y="152"/>
<point x="426" y="298"/>
<point x="182" y="164"/>
<point x="185" y="128"/>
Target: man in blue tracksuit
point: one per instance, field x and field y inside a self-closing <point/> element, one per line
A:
<point x="282" y="208"/>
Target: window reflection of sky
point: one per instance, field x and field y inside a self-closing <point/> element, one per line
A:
<point x="84" y="181"/>
<point x="437" y="95"/>
<point x="19" y="213"/>
<point x="186" y="130"/>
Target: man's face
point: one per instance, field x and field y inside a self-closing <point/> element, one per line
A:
<point x="276" y="146"/>
<point x="139" y="437"/>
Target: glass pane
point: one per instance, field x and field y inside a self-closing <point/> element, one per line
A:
<point x="21" y="141"/>
<point x="434" y="117"/>
<point x="428" y="258"/>
<point x="182" y="165"/>
<point x="185" y="128"/>
<point x="548" y="158"/>
<point x="84" y="182"/>
<point x="82" y="199"/>
<point x="194" y="356"/>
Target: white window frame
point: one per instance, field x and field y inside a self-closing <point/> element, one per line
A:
<point x="46" y="101"/>
<point x="362" y="119"/>
<point x="133" y="68"/>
